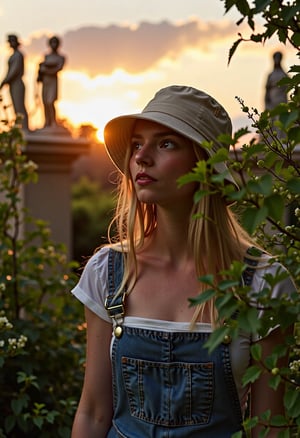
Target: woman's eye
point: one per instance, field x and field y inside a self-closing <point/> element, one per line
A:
<point x="167" y="144"/>
<point x="135" y="146"/>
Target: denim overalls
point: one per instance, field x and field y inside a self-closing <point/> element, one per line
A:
<point x="166" y="384"/>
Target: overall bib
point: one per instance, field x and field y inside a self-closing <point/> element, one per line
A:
<point x="166" y="384"/>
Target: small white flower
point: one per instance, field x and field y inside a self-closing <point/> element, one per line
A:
<point x="22" y="341"/>
<point x="295" y="366"/>
<point x="4" y="323"/>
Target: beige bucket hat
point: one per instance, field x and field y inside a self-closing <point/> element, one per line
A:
<point x="186" y="110"/>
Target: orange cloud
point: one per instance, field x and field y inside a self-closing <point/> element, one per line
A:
<point x="101" y="50"/>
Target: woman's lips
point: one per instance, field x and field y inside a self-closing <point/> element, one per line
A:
<point x="143" y="178"/>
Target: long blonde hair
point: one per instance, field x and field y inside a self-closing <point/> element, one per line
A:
<point x="214" y="232"/>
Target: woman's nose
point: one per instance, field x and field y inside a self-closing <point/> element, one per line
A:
<point x="144" y="155"/>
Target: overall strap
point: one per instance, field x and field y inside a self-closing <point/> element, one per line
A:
<point x="251" y="265"/>
<point x="114" y="302"/>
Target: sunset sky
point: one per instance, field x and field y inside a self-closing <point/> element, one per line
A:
<point x="120" y="52"/>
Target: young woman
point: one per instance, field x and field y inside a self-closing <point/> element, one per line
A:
<point x="148" y="373"/>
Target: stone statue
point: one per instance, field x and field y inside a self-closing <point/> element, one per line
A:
<point x="47" y="75"/>
<point x="14" y="79"/>
<point x="275" y="94"/>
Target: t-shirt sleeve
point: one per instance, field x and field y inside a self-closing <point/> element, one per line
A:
<point x="284" y="288"/>
<point x="92" y="288"/>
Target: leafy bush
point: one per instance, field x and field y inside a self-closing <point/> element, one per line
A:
<point x="269" y="206"/>
<point x="92" y="209"/>
<point x="41" y="341"/>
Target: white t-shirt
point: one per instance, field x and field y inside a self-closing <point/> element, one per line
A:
<point x="92" y="290"/>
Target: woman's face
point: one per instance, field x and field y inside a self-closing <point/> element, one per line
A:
<point x="159" y="157"/>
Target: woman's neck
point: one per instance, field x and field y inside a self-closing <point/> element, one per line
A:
<point x="170" y="239"/>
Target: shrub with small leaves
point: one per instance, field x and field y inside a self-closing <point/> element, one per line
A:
<point x="268" y="204"/>
<point x="41" y="340"/>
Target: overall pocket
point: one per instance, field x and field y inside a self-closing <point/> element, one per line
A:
<point x="169" y="394"/>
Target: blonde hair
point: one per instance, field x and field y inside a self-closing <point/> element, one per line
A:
<point x="213" y="231"/>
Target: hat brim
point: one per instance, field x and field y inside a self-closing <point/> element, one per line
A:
<point x="118" y="133"/>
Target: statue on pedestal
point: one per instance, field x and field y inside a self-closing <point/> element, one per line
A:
<point x="47" y="75"/>
<point x="275" y="93"/>
<point x="14" y="79"/>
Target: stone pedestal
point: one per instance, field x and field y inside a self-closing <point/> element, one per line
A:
<point x="50" y="198"/>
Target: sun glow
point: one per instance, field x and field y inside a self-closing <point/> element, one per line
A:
<point x="96" y="100"/>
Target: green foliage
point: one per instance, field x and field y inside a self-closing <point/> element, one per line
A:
<point x="41" y="339"/>
<point x="92" y="210"/>
<point x="281" y="19"/>
<point x="268" y="204"/>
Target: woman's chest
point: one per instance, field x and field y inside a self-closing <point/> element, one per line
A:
<point x="163" y="295"/>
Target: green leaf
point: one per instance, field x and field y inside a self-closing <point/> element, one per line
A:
<point x="199" y="194"/>
<point x="219" y="157"/>
<point x="285" y="434"/>
<point x="9" y="423"/>
<point x="226" y="305"/>
<point x="269" y="158"/>
<point x="275" y="206"/>
<point x="64" y="432"/>
<point x="249" y="321"/>
<point x="252" y="217"/>
<point x="264" y="433"/>
<point x="227" y="284"/>
<point x="271" y="361"/>
<point x="38" y="421"/>
<point x="293" y="185"/>
<point x="282" y="35"/>
<point x="51" y="416"/>
<point x="233" y="49"/>
<point x="274" y="382"/>
<point x="237" y="195"/>
<point x="294" y="134"/>
<point x="288" y="118"/>
<point x="216" y="338"/>
<point x="256" y="351"/>
<point x="296" y="39"/>
<point x="237" y="435"/>
<point x="228" y="4"/>
<point x="278" y="421"/>
<point x="255" y="149"/>
<point x="243" y="7"/>
<point x="262" y="185"/>
<point x="265" y="416"/>
<point x="203" y="297"/>
<point x="292" y="403"/>
<point x="251" y="374"/>
<point x="260" y="5"/>
<point x="218" y="178"/>
<point x="17" y="406"/>
<point x="249" y="423"/>
<point x="207" y="279"/>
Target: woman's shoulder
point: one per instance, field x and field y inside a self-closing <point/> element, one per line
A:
<point x="99" y="259"/>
